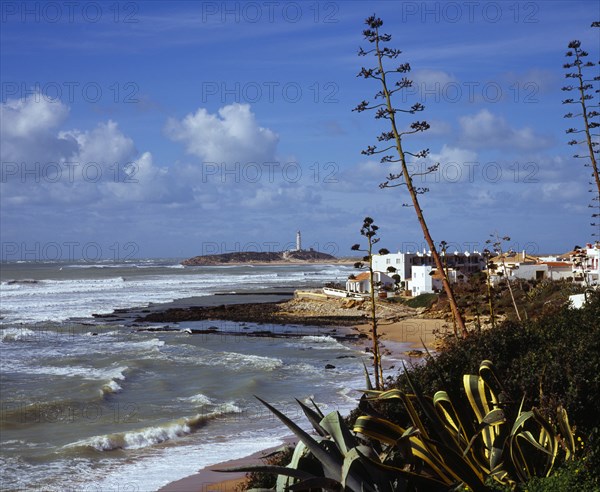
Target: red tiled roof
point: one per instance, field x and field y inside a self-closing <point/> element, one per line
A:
<point x="360" y="277"/>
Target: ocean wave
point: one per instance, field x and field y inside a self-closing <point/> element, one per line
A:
<point x="236" y="360"/>
<point x="316" y="342"/>
<point x="110" y="388"/>
<point x="145" y="344"/>
<point x="90" y="373"/>
<point x="198" y="399"/>
<point x="321" y="339"/>
<point x="304" y="368"/>
<point x="24" y="281"/>
<point x="211" y="407"/>
<point x="17" y="334"/>
<point x="151" y="436"/>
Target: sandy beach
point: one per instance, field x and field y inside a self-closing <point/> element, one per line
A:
<point x="401" y="328"/>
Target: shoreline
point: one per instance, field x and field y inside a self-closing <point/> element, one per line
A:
<point x="400" y="328"/>
<point x="207" y="479"/>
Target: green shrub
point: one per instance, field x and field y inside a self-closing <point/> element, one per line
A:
<point x="572" y="476"/>
<point x="554" y="360"/>
<point x="422" y="300"/>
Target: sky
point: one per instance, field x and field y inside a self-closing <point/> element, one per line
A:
<point x="142" y="129"/>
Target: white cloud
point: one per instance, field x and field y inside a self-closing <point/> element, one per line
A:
<point x="45" y="166"/>
<point x="105" y="145"/>
<point x="28" y="130"/>
<point x="231" y="136"/>
<point x="143" y="181"/>
<point x="486" y="130"/>
<point x="32" y="116"/>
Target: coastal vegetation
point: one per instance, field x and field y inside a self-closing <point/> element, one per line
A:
<point x="394" y="139"/>
<point x="369" y="231"/>
<point x="458" y="422"/>
<point x="507" y="405"/>
<point x="577" y="70"/>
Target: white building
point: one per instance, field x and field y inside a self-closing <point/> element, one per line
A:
<point x="586" y="264"/>
<point x="361" y="284"/>
<point x="423" y="280"/>
<point x="521" y="266"/>
<point x="460" y="266"/>
<point x="513" y="266"/>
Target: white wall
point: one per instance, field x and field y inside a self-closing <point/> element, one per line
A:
<point x="421" y="281"/>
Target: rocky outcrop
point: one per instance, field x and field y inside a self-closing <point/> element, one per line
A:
<point x="276" y="313"/>
<point x="259" y="257"/>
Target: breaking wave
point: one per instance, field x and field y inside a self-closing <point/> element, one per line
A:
<point x="151" y="436"/>
<point x="17" y="334"/>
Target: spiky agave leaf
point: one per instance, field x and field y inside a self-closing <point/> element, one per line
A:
<point x="314" y="418"/>
<point x="331" y="459"/>
<point x="400" y="479"/>
<point x="339" y="432"/>
<point x="566" y="432"/>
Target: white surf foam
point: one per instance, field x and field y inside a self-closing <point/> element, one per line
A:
<point x="17" y="334"/>
<point x="236" y="360"/>
<point x="153" y="435"/>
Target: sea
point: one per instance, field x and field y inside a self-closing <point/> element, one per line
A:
<point x="90" y="404"/>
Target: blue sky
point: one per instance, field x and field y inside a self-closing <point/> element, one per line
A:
<point x="170" y="129"/>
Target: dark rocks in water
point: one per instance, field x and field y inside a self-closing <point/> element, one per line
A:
<point x="23" y="281"/>
<point x="329" y="366"/>
<point x="266" y="313"/>
<point x="262" y="333"/>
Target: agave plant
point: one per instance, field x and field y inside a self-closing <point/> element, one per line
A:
<point x="448" y="445"/>
<point x="489" y="438"/>
<point x="336" y="459"/>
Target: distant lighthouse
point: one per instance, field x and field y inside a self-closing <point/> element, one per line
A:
<point x="298" y="241"/>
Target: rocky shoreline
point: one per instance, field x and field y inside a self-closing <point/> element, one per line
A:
<point x="277" y="312"/>
<point x="296" y="311"/>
